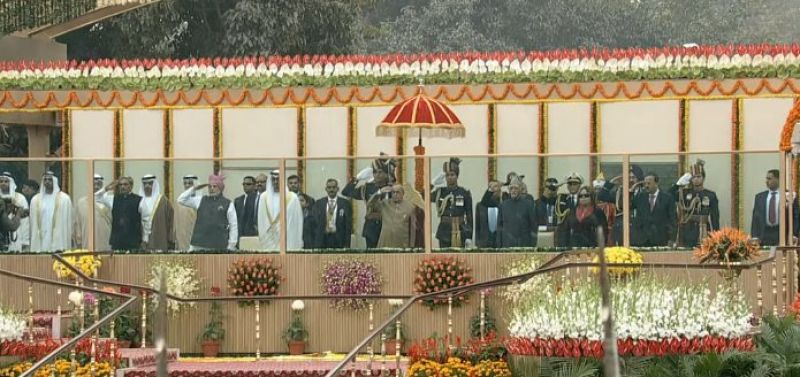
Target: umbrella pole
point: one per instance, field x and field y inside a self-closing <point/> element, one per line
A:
<point x="419" y="179"/>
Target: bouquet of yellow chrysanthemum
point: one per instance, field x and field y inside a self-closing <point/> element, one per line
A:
<point x="621" y="255"/>
<point x="87" y="264"/>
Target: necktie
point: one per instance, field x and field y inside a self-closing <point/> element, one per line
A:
<point x="652" y="202"/>
<point x="773" y="213"/>
<point x="331" y="212"/>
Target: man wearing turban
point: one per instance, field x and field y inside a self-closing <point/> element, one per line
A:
<point x="216" y="225"/>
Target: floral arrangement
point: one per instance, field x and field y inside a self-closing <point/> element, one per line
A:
<point x="577" y="348"/>
<point x="35" y="351"/>
<point x="350" y="277"/>
<point x="646" y="309"/>
<point x="727" y="246"/>
<point x="474" y="350"/>
<point x="88" y="264"/>
<point x="513" y="293"/>
<point x="181" y="279"/>
<point x="619" y="255"/>
<point x="437" y="273"/>
<point x="456" y="367"/>
<point x="12" y="325"/>
<point x="61" y="368"/>
<point x="254" y="277"/>
<point x="716" y="62"/>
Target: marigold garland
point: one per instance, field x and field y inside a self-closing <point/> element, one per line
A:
<point x="452" y="93"/>
<point x="438" y="273"/>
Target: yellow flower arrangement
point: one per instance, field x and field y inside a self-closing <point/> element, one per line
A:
<point x="489" y="368"/>
<point x="622" y="255"/>
<point x="456" y="367"/>
<point x="61" y="368"/>
<point x="88" y="264"/>
<point x="15" y="369"/>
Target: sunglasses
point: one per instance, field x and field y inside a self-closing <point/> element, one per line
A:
<point x="247" y="183"/>
<point x="584" y="196"/>
<point x="573" y="183"/>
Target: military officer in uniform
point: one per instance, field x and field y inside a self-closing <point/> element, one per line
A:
<point x="611" y="192"/>
<point x="377" y="176"/>
<point x="565" y="203"/>
<point x="698" y="208"/>
<point x="454" y="206"/>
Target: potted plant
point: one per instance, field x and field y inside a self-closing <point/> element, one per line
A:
<point x="390" y="343"/>
<point x="296" y="334"/>
<point x="214" y="332"/>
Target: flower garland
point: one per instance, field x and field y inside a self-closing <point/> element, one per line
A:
<point x="736" y="144"/>
<point x="87" y="264"/>
<point x="181" y="279"/>
<point x="351" y="277"/>
<point x="254" y="277"/>
<point x="377" y="70"/>
<point x="437" y="273"/>
<point x="620" y="255"/>
<point x="12" y="326"/>
<point x="92" y="99"/>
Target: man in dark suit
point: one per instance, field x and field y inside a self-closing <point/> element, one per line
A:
<point x="655" y="220"/>
<point x="245" y="206"/>
<point x="765" y="223"/>
<point x="333" y="219"/>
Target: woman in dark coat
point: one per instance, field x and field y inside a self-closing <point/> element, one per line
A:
<point x="579" y="227"/>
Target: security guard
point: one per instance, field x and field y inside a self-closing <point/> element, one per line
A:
<point x="454" y="206"/>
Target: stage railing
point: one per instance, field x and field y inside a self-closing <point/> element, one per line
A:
<point x="735" y="177"/>
<point x="569" y="264"/>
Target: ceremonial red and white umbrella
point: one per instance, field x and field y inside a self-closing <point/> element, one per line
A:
<point x="421" y="116"/>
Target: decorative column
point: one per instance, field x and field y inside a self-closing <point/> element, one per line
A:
<point x="594" y="144"/>
<point x="118" y="148"/>
<point x="492" y="138"/>
<point x="167" y="127"/>
<point x="542" y="138"/>
<point x="217" y="139"/>
<point x="736" y="144"/>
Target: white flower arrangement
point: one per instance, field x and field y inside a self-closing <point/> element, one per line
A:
<point x="513" y="293"/>
<point x="181" y="280"/>
<point x="298" y="305"/>
<point x="12" y="326"/>
<point x="644" y="309"/>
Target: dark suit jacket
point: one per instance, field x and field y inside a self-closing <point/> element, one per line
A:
<point x="247" y="227"/>
<point x="656" y="227"/>
<point x="344" y="220"/>
<point x="759" y="221"/>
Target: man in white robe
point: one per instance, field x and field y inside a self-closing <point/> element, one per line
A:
<point x="102" y="220"/>
<point x="185" y="217"/>
<point x="51" y="217"/>
<point x="19" y="240"/>
<point x="157" y="216"/>
<point x="269" y="217"/>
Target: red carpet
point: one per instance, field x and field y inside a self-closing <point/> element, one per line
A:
<point x="266" y="368"/>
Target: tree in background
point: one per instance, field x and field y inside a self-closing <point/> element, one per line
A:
<point x="194" y="28"/>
